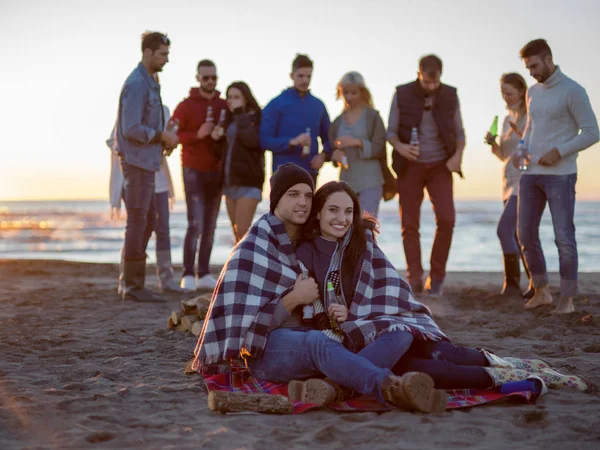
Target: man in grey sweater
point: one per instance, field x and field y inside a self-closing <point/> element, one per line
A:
<point x="560" y="124"/>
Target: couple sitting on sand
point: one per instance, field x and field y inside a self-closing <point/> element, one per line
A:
<point x="308" y="298"/>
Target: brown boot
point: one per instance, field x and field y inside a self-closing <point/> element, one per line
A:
<point x="315" y="391"/>
<point x="414" y="391"/>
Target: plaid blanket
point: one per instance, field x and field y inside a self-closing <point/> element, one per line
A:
<point x="239" y="380"/>
<point x="260" y="271"/>
<point x="383" y="302"/>
<point x="263" y="268"/>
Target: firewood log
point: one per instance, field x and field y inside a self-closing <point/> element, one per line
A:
<point x="197" y="328"/>
<point x="176" y="317"/>
<point x="225" y="402"/>
<point x="187" y="322"/>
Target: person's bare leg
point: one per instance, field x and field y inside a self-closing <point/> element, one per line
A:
<point x="231" y="205"/>
<point x="244" y="214"/>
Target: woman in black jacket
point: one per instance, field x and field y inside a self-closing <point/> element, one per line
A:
<point x="243" y="160"/>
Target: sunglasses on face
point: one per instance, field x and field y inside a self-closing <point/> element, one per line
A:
<point x="209" y="77"/>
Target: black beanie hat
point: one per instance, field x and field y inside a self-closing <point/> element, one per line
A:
<point x="286" y="176"/>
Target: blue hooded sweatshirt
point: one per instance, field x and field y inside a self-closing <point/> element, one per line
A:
<point x="287" y="116"/>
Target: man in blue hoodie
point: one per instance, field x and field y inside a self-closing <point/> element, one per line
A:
<point x="292" y="121"/>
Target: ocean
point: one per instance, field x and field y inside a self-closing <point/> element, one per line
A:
<point x="83" y="231"/>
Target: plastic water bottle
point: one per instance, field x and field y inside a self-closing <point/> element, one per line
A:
<point x="414" y="137"/>
<point x="524" y="156"/>
<point x="306" y="148"/>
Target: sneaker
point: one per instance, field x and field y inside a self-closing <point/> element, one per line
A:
<point x="188" y="284"/>
<point x="433" y="288"/>
<point x="207" y="282"/>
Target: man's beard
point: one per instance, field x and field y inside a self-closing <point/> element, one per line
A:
<point x="547" y="73"/>
<point x="206" y="90"/>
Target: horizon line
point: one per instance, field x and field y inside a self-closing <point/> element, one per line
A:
<point x="104" y="199"/>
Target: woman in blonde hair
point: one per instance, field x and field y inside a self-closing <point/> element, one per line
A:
<point x="358" y="138"/>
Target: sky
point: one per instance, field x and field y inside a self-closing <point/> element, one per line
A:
<point x="64" y="62"/>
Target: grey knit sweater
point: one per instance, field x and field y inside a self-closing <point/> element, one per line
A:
<point x="558" y="109"/>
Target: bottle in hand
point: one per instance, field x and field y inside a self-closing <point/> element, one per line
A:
<point x="414" y="137"/>
<point x="524" y="156"/>
<point x="494" y="127"/>
<point x="345" y="165"/>
<point x="172" y="127"/>
<point x="306" y="148"/>
<point x="221" y="129"/>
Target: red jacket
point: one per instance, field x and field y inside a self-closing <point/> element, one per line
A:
<point x="197" y="153"/>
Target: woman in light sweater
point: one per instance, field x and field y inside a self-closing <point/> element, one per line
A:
<point x="358" y="137"/>
<point x="165" y="200"/>
<point x="513" y="88"/>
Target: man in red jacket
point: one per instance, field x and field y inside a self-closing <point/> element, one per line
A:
<point x="197" y="116"/>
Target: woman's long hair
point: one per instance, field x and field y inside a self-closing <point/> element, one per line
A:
<point x="357" y="79"/>
<point x="251" y="103"/>
<point x="360" y="223"/>
<point x="518" y="82"/>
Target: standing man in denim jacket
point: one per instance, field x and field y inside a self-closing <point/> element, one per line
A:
<point x="287" y="118"/>
<point x="140" y="140"/>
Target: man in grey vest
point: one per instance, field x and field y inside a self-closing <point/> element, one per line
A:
<point x="425" y="128"/>
<point x="140" y="141"/>
<point x="560" y="124"/>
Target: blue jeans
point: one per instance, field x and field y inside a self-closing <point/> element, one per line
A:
<point x="141" y="210"/>
<point x="203" y="199"/>
<point x="559" y="192"/>
<point x="451" y="366"/>
<point x="163" y="240"/>
<point x="507" y="227"/>
<point x="369" y="200"/>
<point x="301" y="353"/>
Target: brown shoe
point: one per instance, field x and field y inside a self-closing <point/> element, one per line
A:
<point x="414" y="391"/>
<point x="315" y="391"/>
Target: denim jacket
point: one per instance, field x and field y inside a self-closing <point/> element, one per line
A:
<point x="139" y="118"/>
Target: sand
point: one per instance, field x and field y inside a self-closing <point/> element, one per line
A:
<point x="81" y="369"/>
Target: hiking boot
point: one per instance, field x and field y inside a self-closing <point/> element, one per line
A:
<point x="315" y="391"/>
<point x="414" y="391"/>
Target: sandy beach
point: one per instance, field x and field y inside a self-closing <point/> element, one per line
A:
<point x="81" y="369"/>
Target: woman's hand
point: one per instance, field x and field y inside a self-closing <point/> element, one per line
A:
<point x="337" y="312"/>
<point x="490" y="138"/>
